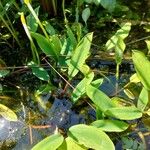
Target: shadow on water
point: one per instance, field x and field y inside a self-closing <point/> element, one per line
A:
<point x="36" y="121"/>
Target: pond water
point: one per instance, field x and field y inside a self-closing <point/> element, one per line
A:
<point x="36" y="122"/>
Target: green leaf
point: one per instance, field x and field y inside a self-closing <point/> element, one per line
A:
<point x="86" y="14"/>
<point x="70" y="144"/>
<point x="45" y="45"/>
<point x="96" y="83"/>
<point x="90" y="137"/>
<point x="148" y="44"/>
<point x="143" y="99"/>
<point x="142" y="67"/>
<point x="108" y="4"/>
<point x="148" y="113"/>
<point x="124" y="113"/>
<point x="119" y="49"/>
<point x="121" y="34"/>
<point x="100" y="99"/>
<point x="72" y="38"/>
<point x="38" y="71"/>
<point x="80" y="88"/>
<point x="49" y="28"/>
<point x="50" y="143"/>
<point x="31" y="21"/>
<point x="111" y="125"/>
<point x="3" y="73"/>
<point x="7" y="113"/>
<point x="79" y="55"/>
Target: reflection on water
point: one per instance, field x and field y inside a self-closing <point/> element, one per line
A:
<point x="16" y="136"/>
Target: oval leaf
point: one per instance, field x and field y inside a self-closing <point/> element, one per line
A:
<point x="99" y="98"/>
<point x="111" y="125"/>
<point x="124" y="113"/>
<point x="50" y="143"/>
<point x="142" y="67"/>
<point x="86" y="14"/>
<point x="91" y="137"/>
<point x="38" y="71"/>
<point x="7" y="113"/>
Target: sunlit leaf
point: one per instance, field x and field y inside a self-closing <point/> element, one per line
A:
<point x="120" y="34"/>
<point x="38" y="71"/>
<point x="100" y="99"/>
<point x="79" y="55"/>
<point x="142" y="67"/>
<point x="50" y="143"/>
<point x="134" y="78"/>
<point x="148" y="44"/>
<point x="90" y="137"/>
<point x="143" y="99"/>
<point x="7" y="113"/>
<point x="110" y="125"/>
<point x="70" y="144"/>
<point x="86" y="14"/>
<point x="80" y="88"/>
<point x="124" y="113"/>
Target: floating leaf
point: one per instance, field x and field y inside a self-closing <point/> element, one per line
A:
<point x="80" y="88"/>
<point x="45" y="45"/>
<point x="70" y="144"/>
<point x="38" y="71"/>
<point x="142" y="67"/>
<point x="86" y="14"/>
<point x="7" y="113"/>
<point x="143" y="99"/>
<point x="110" y="125"/>
<point x="50" y="143"/>
<point x="124" y="113"/>
<point x="102" y="101"/>
<point x="90" y="137"/>
<point x="79" y="55"/>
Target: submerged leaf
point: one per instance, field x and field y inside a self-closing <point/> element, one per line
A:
<point x="7" y="113"/>
<point x="91" y="137"/>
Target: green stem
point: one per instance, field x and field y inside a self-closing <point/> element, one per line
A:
<point x="63" y="8"/>
<point x="37" y="19"/>
<point x="54" y="6"/>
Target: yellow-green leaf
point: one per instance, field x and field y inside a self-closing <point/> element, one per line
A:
<point x="7" y="113"/>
